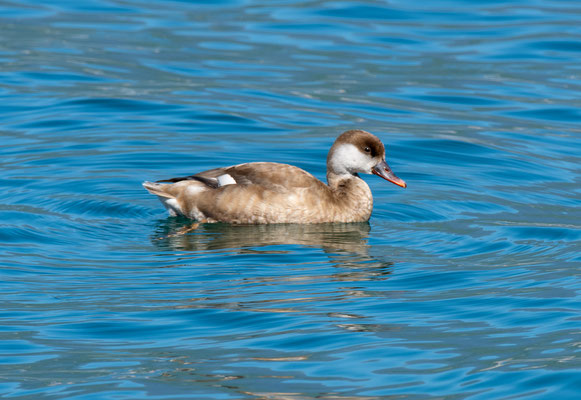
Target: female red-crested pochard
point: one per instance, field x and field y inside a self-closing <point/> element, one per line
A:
<point x="268" y="193"/>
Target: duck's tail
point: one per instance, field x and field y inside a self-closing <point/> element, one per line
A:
<point x="158" y="189"/>
<point x="165" y="195"/>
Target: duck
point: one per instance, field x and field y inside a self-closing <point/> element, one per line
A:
<point x="274" y="193"/>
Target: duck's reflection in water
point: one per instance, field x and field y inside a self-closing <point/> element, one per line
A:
<point x="264" y="292"/>
<point x="344" y="243"/>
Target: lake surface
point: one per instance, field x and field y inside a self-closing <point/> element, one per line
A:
<point x="466" y="285"/>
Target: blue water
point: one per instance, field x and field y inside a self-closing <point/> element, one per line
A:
<point x="466" y="285"/>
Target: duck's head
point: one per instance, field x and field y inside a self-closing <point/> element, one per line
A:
<point x="357" y="151"/>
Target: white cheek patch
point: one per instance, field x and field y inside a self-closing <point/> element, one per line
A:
<point x="225" y="179"/>
<point x="349" y="159"/>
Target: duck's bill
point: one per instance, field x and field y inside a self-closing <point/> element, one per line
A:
<point x="383" y="170"/>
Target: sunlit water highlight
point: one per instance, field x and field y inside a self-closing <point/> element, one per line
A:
<point x="465" y="285"/>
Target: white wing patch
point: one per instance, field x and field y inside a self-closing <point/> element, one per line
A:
<point x="225" y="179"/>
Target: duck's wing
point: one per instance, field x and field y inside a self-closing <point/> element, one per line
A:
<point x="273" y="176"/>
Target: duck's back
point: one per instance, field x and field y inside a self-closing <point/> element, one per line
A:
<point x="271" y="176"/>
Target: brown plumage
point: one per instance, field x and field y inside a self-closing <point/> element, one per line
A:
<point x="265" y="192"/>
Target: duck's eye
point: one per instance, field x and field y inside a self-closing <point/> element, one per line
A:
<point x="367" y="149"/>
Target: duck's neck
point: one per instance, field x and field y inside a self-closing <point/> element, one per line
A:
<point x="351" y="194"/>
